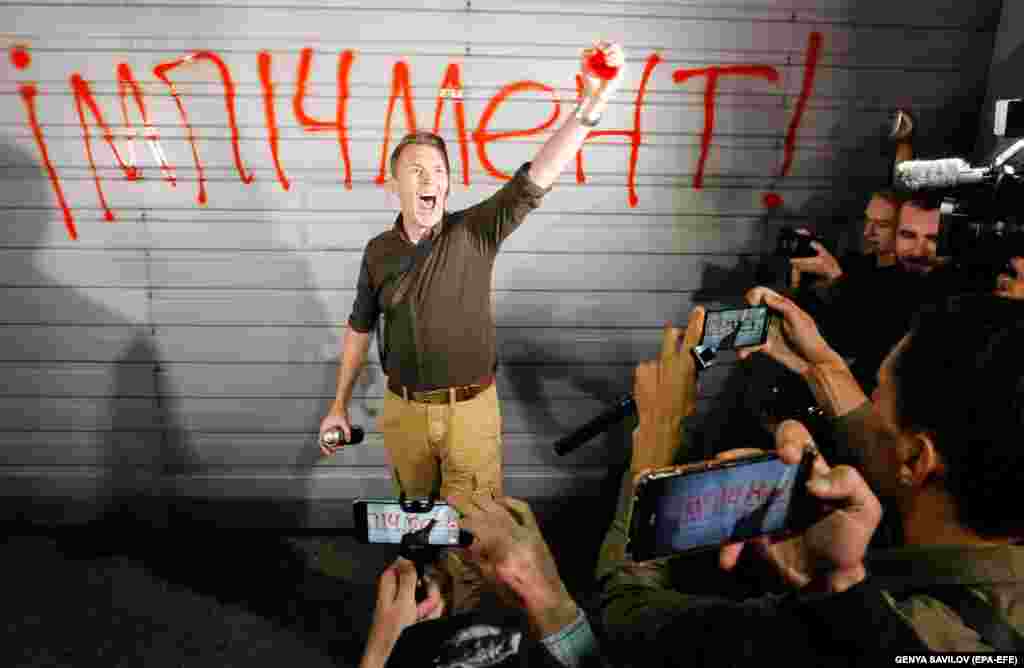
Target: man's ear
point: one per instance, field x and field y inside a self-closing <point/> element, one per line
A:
<point x="924" y="462"/>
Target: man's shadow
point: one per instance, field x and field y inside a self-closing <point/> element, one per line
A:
<point x="87" y="377"/>
<point x="94" y="396"/>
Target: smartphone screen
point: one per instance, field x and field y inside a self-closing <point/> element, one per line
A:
<point x="384" y="521"/>
<point x="716" y="504"/>
<point x="735" y="328"/>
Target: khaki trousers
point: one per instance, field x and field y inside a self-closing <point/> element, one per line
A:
<point x="443" y="449"/>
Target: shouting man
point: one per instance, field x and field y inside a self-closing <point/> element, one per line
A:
<point x="430" y="276"/>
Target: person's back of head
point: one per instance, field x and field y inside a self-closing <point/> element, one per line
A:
<point x="960" y="378"/>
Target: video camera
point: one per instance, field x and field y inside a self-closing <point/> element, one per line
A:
<point x="982" y="208"/>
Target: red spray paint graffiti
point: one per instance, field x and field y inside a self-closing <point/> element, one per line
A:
<point x="635" y="135"/>
<point x="481" y="137"/>
<point x="773" y="200"/>
<point x="313" y="125"/>
<point x="160" y="72"/>
<point x="125" y="82"/>
<point x="82" y="92"/>
<point x="267" y="84"/>
<point x="451" y="87"/>
<point x="766" y="72"/>
<point x="28" y="94"/>
<point x="399" y="86"/>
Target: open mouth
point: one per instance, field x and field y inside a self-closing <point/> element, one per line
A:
<point x="428" y="201"/>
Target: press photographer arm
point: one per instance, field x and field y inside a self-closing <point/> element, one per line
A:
<point x="397" y="610"/>
<point x="513" y="556"/>
<point x="652" y="620"/>
<point x="799" y="346"/>
<point x="823" y="265"/>
<point x="829" y="556"/>
<point x="562" y="146"/>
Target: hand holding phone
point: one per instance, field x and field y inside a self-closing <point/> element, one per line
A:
<point x="833" y="546"/>
<point x="709" y="504"/>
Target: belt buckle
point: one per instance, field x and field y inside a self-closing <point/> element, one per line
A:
<point x="428" y="397"/>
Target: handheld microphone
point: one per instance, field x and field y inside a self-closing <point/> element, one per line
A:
<point x="336" y="437"/>
<point x="622" y="409"/>
<point x="938" y="174"/>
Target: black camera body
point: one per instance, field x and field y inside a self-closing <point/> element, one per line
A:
<point x="792" y="244"/>
<point x="981" y="224"/>
<point x="981" y="229"/>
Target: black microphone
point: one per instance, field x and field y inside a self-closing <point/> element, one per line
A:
<point x="335" y="438"/>
<point x="622" y="409"/>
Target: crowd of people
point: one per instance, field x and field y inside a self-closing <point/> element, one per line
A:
<point x="937" y="447"/>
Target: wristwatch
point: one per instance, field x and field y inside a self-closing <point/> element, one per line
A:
<point x="586" y="120"/>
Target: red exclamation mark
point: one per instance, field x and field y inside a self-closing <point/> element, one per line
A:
<point x="773" y="200"/>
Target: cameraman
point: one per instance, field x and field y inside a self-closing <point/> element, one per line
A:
<point x="656" y="613"/>
<point x="940" y="440"/>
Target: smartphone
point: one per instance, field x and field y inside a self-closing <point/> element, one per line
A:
<point x="709" y="504"/>
<point x="384" y="521"/>
<point x="732" y="328"/>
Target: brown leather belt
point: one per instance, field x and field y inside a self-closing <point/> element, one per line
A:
<point x="442" y="395"/>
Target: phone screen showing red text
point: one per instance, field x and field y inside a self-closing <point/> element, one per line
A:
<point x="386" y="522"/>
<point x="723" y="505"/>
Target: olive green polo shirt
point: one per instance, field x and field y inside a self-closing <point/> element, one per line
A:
<point x="441" y="331"/>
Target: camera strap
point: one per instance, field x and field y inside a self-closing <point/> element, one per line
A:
<point x="408" y="266"/>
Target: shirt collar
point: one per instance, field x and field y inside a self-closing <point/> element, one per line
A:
<point x="432" y="235"/>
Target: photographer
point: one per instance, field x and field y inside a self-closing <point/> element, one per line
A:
<point x="878" y="248"/>
<point x="526" y="616"/>
<point x="660" y="613"/>
<point x="864" y="313"/>
<point x="941" y="442"/>
<point x="878" y="237"/>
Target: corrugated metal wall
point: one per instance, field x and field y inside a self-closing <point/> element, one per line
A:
<point x="191" y="347"/>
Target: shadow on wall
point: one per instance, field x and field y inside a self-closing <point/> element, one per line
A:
<point x="85" y="417"/>
<point x="260" y="382"/>
<point x="94" y="425"/>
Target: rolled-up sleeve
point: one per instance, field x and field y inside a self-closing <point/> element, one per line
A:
<point x="365" y="309"/>
<point x="493" y="219"/>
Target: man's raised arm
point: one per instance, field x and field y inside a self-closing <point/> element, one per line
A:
<point x="562" y="146"/>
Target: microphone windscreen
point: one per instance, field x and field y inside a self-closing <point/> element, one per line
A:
<point x="930" y="174"/>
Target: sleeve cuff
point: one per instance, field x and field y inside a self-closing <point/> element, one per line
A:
<point x="573" y="643"/>
<point x="522" y="177"/>
<point x="360" y="326"/>
<point x="854" y="421"/>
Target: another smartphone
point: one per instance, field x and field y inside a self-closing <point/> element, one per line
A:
<point x="384" y="521"/>
<point x="732" y="328"/>
<point x="706" y="505"/>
